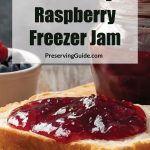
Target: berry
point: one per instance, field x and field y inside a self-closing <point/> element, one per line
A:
<point x="3" y="53"/>
<point x="13" y="67"/>
<point x="24" y="66"/>
<point x="3" y="69"/>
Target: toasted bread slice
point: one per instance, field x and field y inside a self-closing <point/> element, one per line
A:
<point x="13" y="139"/>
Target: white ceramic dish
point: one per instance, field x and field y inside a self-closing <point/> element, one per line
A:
<point x="20" y="85"/>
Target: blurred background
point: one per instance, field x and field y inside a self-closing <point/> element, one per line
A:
<point x="52" y="77"/>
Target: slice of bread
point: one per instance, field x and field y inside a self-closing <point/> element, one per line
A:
<point x="13" y="139"/>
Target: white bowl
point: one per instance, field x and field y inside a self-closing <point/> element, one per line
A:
<point x="19" y="85"/>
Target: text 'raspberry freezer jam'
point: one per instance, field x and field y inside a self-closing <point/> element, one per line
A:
<point x="77" y="118"/>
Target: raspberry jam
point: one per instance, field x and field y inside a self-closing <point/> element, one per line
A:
<point x="125" y="81"/>
<point x="77" y="118"/>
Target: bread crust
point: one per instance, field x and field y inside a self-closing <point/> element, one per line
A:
<point x="13" y="139"/>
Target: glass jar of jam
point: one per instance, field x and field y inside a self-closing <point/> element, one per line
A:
<point x="129" y="81"/>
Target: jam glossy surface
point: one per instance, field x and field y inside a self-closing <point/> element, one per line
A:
<point x="78" y="118"/>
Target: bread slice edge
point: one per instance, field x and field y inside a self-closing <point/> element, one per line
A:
<point x="13" y="139"/>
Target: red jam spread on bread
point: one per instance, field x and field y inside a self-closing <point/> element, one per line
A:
<point x="69" y="119"/>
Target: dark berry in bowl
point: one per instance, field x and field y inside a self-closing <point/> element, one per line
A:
<point x="25" y="66"/>
<point x="3" y="68"/>
<point x="13" y="67"/>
